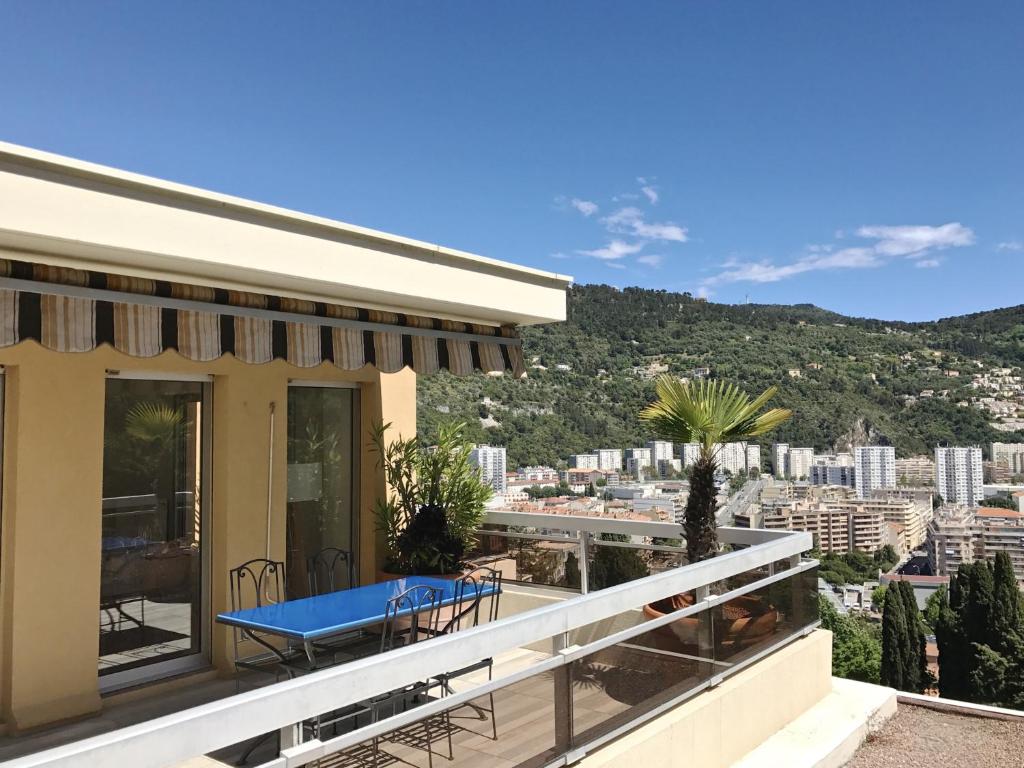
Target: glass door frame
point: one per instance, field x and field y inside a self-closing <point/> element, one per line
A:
<point x="357" y="448"/>
<point x="160" y="670"/>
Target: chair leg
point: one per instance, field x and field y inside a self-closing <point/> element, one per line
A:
<point x="494" y="718"/>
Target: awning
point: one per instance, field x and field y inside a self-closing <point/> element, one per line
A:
<point x="73" y="310"/>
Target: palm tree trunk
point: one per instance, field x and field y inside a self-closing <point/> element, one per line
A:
<point x="699" y="522"/>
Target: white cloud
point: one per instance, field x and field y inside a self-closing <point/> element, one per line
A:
<point x="616" y="249"/>
<point x="704" y="292"/>
<point x="651" y="259"/>
<point x="1010" y="245"/>
<point x="586" y="207"/>
<point x="614" y="265"/>
<point x="630" y="221"/>
<point x="649" y="190"/>
<point x="913" y="242"/>
<point x="559" y="255"/>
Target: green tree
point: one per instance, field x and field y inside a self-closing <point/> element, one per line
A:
<point x="933" y="605"/>
<point x="856" y="644"/>
<point x="1007" y="616"/>
<point x="999" y="502"/>
<point x="709" y="413"/>
<point x="894" y="643"/>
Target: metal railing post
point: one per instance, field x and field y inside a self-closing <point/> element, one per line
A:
<point x="563" y="696"/>
<point x="584" y="562"/>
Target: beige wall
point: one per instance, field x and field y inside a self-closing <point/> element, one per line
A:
<point x="52" y="476"/>
<point x="717" y="727"/>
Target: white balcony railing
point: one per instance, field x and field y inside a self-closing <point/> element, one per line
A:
<point x="763" y="565"/>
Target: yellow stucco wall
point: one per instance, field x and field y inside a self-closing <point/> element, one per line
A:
<point x="52" y="475"/>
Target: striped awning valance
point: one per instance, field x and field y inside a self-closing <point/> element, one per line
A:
<point x="73" y="310"/>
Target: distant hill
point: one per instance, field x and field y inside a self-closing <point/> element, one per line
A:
<point x="853" y="373"/>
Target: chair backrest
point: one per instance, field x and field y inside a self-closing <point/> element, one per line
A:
<point x="329" y="570"/>
<point x="256" y="583"/>
<point x="253" y="584"/>
<point x="470" y="599"/>
<point x="410" y="614"/>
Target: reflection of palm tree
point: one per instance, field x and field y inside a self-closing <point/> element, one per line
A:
<point x="158" y="424"/>
<point x="154" y="422"/>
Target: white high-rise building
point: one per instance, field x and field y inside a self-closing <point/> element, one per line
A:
<point x="689" y="452"/>
<point x="732" y="458"/>
<point x="609" y="458"/>
<point x="798" y="463"/>
<point x="583" y="461"/>
<point x="753" y="457"/>
<point x="874" y="468"/>
<point x="661" y="450"/>
<point x="641" y="457"/>
<point x="780" y="454"/>
<point x="490" y="459"/>
<point x="958" y="475"/>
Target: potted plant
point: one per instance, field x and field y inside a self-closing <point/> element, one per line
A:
<point x="434" y="505"/>
<point x="710" y="413"/>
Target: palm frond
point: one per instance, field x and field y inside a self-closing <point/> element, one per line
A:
<point x="709" y="412"/>
<point x="153" y="421"/>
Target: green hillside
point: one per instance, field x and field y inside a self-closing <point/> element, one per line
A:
<point x="854" y="397"/>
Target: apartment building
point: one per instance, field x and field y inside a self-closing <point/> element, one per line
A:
<point x="798" y="463"/>
<point x="1010" y="456"/>
<point x="874" y="467"/>
<point x="915" y="471"/>
<point x="584" y="461"/>
<point x="962" y="534"/>
<point x="825" y="474"/>
<point x="732" y="458"/>
<point x="958" y="475"/>
<point x="753" y="457"/>
<point x="779" y="453"/>
<point x="609" y="458"/>
<point x="640" y="456"/>
<point x="490" y="460"/>
<point x="661" y="450"/>
<point x="837" y="528"/>
<point x="689" y="453"/>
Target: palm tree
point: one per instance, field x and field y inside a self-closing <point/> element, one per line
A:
<point x="709" y="413"/>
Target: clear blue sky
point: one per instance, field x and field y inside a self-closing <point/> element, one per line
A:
<point x="864" y="156"/>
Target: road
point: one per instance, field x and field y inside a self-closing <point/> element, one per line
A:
<point x="749" y="493"/>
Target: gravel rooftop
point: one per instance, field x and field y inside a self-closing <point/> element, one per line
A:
<point x="916" y="737"/>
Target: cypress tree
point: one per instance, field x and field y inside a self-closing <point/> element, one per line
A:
<point x="1006" y="605"/>
<point x="977" y="613"/>
<point x="954" y="648"/>
<point x="915" y="667"/>
<point x="894" y="641"/>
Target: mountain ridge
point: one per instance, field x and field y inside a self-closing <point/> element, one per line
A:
<point x="851" y="375"/>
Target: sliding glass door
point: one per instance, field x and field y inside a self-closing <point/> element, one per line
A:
<point x="152" y="586"/>
<point x="322" y="485"/>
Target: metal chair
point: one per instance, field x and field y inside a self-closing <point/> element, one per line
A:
<point x="469" y="607"/>
<point x="408" y="618"/>
<point x="253" y="584"/>
<point x="323" y="568"/>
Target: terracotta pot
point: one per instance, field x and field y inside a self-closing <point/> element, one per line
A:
<point x="741" y="622"/>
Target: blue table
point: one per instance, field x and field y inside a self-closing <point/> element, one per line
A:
<point x="311" y="619"/>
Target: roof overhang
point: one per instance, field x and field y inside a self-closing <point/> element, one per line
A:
<point x="70" y="213"/>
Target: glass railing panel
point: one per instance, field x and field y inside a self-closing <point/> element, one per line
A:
<point x="615" y="685"/>
<point x="552" y="563"/>
<point x="516" y="726"/>
<point x="753" y="622"/>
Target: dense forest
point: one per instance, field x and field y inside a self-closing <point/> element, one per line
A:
<point x="854" y="374"/>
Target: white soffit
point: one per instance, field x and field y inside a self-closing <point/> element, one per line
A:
<point x="71" y="213"/>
